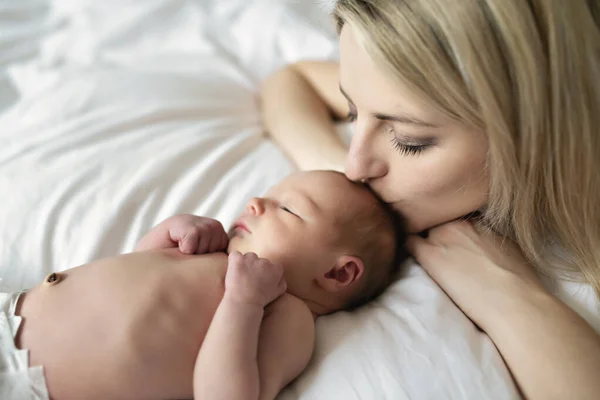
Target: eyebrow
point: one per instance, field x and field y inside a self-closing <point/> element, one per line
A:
<point x="312" y="205"/>
<point x="404" y="119"/>
<point x="300" y="202"/>
<point x="307" y="205"/>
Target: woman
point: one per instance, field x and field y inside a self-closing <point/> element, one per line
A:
<point x="489" y="106"/>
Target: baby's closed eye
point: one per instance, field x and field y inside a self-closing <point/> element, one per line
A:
<point x="289" y="210"/>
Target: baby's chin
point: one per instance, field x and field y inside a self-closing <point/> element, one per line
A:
<point x="236" y="243"/>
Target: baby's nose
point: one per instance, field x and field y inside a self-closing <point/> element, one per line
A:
<point x="256" y="206"/>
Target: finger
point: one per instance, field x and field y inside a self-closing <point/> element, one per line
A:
<point x="263" y="262"/>
<point x="188" y="243"/>
<point x="251" y="256"/>
<point x="282" y="287"/>
<point x="203" y="243"/>
<point x="267" y="265"/>
<point x="225" y="242"/>
<point x="415" y="245"/>
<point x="221" y="230"/>
<point x="452" y="232"/>
<point x="422" y="250"/>
<point x="235" y="257"/>
<point x="279" y="268"/>
<point x="215" y="243"/>
<point x="430" y="257"/>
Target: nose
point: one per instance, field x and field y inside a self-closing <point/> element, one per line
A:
<point x="256" y="206"/>
<point x="362" y="164"/>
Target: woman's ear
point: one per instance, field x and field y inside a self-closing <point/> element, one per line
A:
<point x="346" y="271"/>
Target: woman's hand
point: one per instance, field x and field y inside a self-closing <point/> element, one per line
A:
<point x="551" y="352"/>
<point x="479" y="271"/>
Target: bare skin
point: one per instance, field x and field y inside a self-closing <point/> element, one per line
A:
<point x="121" y="328"/>
<point x="132" y="326"/>
<point x="550" y="350"/>
<point x="181" y="319"/>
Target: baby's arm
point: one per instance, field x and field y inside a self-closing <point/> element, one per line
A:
<point x="250" y="353"/>
<point x="191" y="233"/>
<point x="285" y="345"/>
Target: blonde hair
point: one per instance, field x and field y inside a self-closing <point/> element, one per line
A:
<point x="528" y="74"/>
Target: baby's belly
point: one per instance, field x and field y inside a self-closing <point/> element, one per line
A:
<point x="123" y="327"/>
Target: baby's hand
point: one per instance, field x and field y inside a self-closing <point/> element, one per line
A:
<point x="200" y="235"/>
<point x="191" y="233"/>
<point x="253" y="280"/>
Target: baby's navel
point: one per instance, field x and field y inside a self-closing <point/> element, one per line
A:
<point x="52" y="279"/>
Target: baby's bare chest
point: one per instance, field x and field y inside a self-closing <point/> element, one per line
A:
<point x="134" y="323"/>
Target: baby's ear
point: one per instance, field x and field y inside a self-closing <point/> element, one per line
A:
<point x="347" y="271"/>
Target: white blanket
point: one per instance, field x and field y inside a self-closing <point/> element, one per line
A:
<point x="119" y="114"/>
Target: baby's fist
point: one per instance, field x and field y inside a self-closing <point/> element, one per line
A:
<point x="253" y="280"/>
<point x="194" y="234"/>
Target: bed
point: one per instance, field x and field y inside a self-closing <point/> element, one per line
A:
<point x="117" y="114"/>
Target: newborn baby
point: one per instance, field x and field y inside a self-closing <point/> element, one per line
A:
<point x="167" y="323"/>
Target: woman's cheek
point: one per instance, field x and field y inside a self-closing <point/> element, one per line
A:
<point x="425" y="176"/>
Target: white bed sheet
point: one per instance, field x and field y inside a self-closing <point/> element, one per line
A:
<point x="126" y="112"/>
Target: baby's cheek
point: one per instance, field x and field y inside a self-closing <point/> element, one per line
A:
<point x="279" y="251"/>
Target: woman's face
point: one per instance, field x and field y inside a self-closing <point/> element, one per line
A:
<point x="429" y="167"/>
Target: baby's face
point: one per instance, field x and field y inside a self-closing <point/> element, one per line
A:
<point x="295" y="222"/>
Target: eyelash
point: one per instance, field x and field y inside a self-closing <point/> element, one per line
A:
<point x="401" y="148"/>
<point x="287" y="210"/>
<point x="408" y="150"/>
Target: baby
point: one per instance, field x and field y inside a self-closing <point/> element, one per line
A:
<point x="165" y="322"/>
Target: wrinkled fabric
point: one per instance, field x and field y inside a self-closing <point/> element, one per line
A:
<point x="18" y="381"/>
<point x="115" y="115"/>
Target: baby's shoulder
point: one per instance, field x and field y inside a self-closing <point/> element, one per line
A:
<point x="288" y="304"/>
<point x="289" y="329"/>
<point x="292" y="316"/>
<point x="287" y="340"/>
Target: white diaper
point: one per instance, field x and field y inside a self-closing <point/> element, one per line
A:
<point x="18" y="381"/>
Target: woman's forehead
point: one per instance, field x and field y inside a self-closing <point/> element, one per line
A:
<point x="372" y="88"/>
<point x="360" y="78"/>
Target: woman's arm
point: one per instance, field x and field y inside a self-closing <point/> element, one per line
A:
<point x="299" y="105"/>
<point x="551" y="351"/>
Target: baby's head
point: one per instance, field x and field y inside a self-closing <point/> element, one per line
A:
<point x="339" y="245"/>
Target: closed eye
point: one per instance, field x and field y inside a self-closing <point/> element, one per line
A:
<point x="284" y="208"/>
<point x="287" y="210"/>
